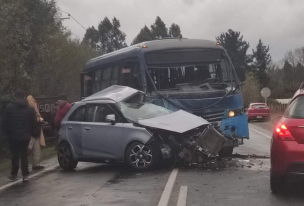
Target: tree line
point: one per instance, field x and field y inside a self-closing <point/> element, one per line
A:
<point x="39" y="55"/>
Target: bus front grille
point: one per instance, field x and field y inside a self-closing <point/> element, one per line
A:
<point x="213" y="116"/>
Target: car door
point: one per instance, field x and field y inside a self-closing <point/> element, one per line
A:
<point x="73" y="128"/>
<point x="100" y="139"/>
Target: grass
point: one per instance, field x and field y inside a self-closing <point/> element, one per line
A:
<point x="46" y="153"/>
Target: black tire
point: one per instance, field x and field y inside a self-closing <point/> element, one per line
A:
<point x="140" y="157"/>
<point x="248" y="120"/>
<point x="65" y="157"/>
<point x="226" y="151"/>
<point x="277" y="184"/>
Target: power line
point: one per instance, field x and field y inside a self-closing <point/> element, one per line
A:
<point x="72" y="18"/>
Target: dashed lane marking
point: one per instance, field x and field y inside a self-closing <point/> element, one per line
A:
<point x="164" y="200"/>
<point x="182" y="197"/>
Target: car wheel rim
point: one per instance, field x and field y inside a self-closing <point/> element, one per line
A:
<point x="141" y="156"/>
<point x="64" y="156"/>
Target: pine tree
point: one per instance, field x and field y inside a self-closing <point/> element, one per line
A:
<point x="159" y="29"/>
<point x="261" y="62"/>
<point x="107" y="38"/>
<point x="144" y="35"/>
<point x="236" y="48"/>
<point x="175" y="31"/>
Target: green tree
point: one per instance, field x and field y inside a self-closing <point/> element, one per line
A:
<point x="159" y="29"/>
<point x="107" y="38"/>
<point x="236" y="48"/>
<point x="144" y="35"/>
<point x="261" y="62"/>
<point x="175" y="31"/>
<point x="251" y="89"/>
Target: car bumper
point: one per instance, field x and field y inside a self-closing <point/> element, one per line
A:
<point x="287" y="158"/>
<point x="258" y="115"/>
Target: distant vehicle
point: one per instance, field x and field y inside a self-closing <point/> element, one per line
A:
<point x="117" y="124"/>
<point x="258" y="111"/>
<point x="194" y="75"/>
<point x="287" y="145"/>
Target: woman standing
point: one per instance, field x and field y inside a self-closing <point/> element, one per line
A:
<point x="36" y="143"/>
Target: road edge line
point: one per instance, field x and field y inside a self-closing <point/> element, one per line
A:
<point x="261" y="133"/>
<point x="182" y="197"/>
<point x="30" y="177"/>
<point x="164" y="200"/>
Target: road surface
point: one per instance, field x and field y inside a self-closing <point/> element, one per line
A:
<point x="242" y="182"/>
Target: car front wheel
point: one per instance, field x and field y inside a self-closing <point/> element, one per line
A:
<point x="65" y="157"/>
<point x="140" y="156"/>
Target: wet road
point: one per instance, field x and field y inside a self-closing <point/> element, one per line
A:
<point x="243" y="182"/>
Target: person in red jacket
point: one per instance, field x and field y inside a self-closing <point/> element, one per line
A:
<point x="63" y="109"/>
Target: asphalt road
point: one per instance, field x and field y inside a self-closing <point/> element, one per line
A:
<point x="244" y="181"/>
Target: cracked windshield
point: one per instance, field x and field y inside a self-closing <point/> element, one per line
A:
<point x="176" y="102"/>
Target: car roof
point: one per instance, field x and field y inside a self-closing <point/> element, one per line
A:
<point x="134" y="50"/>
<point x="113" y="93"/>
<point x="257" y="103"/>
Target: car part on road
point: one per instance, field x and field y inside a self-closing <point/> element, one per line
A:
<point x="65" y="157"/>
<point x="140" y="156"/>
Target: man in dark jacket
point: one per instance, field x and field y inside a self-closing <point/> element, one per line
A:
<point x="19" y="122"/>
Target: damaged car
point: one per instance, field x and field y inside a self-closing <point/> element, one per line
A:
<point x="118" y="124"/>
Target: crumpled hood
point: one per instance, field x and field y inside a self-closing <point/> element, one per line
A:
<point x="179" y="122"/>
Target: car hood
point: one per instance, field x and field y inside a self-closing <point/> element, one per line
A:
<point x="179" y="122"/>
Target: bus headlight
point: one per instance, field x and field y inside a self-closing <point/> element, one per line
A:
<point x="231" y="114"/>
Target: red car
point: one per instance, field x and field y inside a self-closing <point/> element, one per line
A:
<point x="287" y="146"/>
<point x="258" y="111"/>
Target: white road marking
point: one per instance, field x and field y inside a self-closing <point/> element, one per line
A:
<point x="30" y="177"/>
<point x="260" y="133"/>
<point x="164" y="200"/>
<point x="182" y="198"/>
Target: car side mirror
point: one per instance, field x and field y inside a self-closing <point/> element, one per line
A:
<point x="276" y="119"/>
<point x="111" y="118"/>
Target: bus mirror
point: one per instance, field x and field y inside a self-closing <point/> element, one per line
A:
<point x="240" y="71"/>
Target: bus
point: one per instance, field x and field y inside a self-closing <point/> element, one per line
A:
<point x="194" y="75"/>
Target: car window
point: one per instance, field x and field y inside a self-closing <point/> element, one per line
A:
<point x="78" y="115"/>
<point x="296" y="109"/>
<point x="256" y="106"/>
<point x="98" y="113"/>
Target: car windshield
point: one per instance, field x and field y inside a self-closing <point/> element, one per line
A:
<point x="138" y="111"/>
<point x="256" y="106"/>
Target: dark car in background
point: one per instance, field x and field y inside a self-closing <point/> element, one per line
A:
<point x="258" y="111"/>
<point x="287" y="146"/>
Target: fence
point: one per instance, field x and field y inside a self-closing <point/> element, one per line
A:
<point x="277" y="108"/>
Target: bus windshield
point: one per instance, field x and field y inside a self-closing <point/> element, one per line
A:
<point x="168" y="70"/>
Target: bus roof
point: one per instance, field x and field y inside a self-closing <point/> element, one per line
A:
<point x="134" y="51"/>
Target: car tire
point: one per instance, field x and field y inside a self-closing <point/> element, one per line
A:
<point x="226" y="151"/>
<point x="140" y="156"/>
<point x="277" y="184"/>
<point x="65" y="157"/>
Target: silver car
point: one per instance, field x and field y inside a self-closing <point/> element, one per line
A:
<point x="117" y="124"/>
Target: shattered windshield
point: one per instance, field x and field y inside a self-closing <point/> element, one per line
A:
<point x="168" y="70"/>
<point x="138" y="111"/>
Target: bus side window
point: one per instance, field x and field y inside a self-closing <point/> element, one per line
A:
<point x="106" y="78"/>
<point x="96" y="83"/>
<point x="129" y="75"/>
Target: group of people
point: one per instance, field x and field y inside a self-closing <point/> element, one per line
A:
<point x="22" y="124"/>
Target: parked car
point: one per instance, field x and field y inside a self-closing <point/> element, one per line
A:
<point x="258" y="111"/>
<point x="287" y="145"/>
<point x="117" y="124"/>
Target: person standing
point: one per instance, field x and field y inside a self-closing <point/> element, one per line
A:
<point x="36" y="142"/>
<point x="62" y="110"/>
<point x="19" y="124"/>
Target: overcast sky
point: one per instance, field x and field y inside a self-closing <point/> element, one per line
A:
<point x="279" y="23"/>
